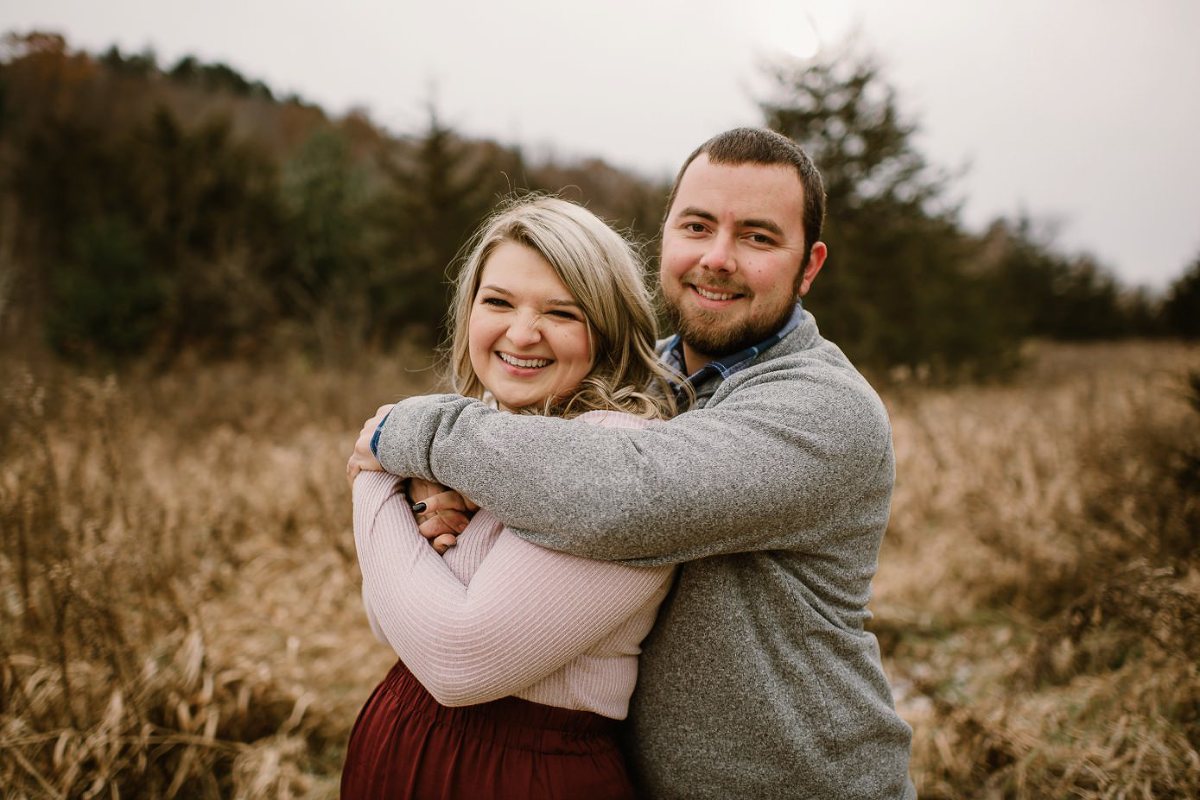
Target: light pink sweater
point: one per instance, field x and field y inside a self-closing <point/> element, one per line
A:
<point x="498" y="616"/>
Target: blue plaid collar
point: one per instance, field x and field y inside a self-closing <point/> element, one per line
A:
<point x="727" y="365"/>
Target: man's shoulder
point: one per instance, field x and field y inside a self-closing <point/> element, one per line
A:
<point x="805" y="356"/>
<point x="811" y="377"/>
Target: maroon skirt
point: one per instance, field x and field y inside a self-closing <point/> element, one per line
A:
<point x="405" y="744"/>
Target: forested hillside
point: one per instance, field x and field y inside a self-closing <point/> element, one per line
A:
<point x="148" y="211"/>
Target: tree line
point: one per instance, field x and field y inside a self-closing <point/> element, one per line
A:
<point x="147" y="211"/>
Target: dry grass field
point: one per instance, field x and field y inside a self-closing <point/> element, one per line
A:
<point x="179" y="608"/>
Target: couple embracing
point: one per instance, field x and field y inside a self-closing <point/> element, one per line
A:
<point x="681" y="536"/>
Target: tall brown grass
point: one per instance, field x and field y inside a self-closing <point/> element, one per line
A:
<point x="179" y="608"/>
<point x="1039" y="594"/>
<point x="179" y="612"/>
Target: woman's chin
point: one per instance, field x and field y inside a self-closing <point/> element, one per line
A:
<point x="517" y="402"/>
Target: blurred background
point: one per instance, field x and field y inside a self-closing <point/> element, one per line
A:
<point x="225" y="237"/>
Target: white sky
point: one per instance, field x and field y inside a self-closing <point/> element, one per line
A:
<point x="1084" y="112"/>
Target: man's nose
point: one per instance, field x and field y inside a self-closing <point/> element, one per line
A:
<point x="719" y="255"/>
<point x="524" y="329"/>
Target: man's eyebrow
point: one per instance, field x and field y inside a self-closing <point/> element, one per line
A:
<point x="765" y="224"/>
<point x="692" y="211"/>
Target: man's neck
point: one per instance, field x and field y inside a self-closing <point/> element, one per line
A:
<point x="694" y="361"/>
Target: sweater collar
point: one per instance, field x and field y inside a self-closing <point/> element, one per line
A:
<point x="726" y="365"/>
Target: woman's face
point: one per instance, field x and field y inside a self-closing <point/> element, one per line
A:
<point x="527" y="337"/>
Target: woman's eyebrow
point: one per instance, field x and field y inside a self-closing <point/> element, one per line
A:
<point x="553" y="301"/>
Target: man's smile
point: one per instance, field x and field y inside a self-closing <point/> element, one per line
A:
<point x="711" y="295"/>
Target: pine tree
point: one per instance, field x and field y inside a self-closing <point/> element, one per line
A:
<point x="897" y="289"/>
<point x="1181" y="311"/>
<point x="438" y="193"/>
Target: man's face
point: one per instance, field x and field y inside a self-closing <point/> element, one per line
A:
<point x="732" y="245"/>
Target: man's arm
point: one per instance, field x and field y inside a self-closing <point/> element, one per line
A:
<point x="777" y="464"/>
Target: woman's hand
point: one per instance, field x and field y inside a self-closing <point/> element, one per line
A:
<point x="362" y="457"/>
<point x="441" y="513"/>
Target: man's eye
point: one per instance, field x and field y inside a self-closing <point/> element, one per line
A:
<point x="761" y="238"/>
<point x="694" y="227"/>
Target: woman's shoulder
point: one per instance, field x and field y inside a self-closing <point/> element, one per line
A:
<point x="614" y="419"/>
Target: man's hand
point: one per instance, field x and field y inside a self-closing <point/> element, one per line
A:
<point x="362" y="457"/>
<point x="443" y="513"/>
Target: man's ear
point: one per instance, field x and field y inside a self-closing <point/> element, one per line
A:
<point x="816" y="260"/>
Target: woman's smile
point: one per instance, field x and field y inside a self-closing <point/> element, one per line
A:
<point x="516" y="362"/>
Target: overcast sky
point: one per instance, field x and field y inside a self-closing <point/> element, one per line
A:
<point x="1085" y="113"/>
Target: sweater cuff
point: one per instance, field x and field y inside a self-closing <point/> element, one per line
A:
<point x="375" y="436"/>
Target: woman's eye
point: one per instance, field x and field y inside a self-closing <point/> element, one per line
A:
<point x="564" y="315"/>
<point x="495" y="302"/>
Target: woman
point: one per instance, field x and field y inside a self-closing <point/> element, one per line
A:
<point x="515" y="661"/>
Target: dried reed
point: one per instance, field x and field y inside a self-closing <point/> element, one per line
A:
<point x="177" y="585"/>
<point x="179" y="612"/>
<point x="1039" y="591"/>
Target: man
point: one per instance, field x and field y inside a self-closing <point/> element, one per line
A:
<point x="772" y="492"/>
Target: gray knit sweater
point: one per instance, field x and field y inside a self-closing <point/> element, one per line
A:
<point x="758" y="680"/>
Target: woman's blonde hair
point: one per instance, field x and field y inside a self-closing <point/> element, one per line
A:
<point x="603" y="274"/>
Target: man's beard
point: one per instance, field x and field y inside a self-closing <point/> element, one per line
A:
<point x="705" y="334"/>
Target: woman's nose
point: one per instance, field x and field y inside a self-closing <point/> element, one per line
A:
<point x="524" y="329"/>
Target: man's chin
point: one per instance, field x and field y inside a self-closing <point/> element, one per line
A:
<point x="716" y="342"/>
<point x="705" y="335"/>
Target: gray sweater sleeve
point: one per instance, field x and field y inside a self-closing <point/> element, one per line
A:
<point x="776" y="461"/>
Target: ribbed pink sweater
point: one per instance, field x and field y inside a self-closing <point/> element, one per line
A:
<point x="498" y="616"/>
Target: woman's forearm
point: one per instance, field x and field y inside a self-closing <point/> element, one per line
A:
<point x="526" y="612"/>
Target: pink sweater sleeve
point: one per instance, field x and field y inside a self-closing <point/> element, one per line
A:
<point x="525" y="613"/>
